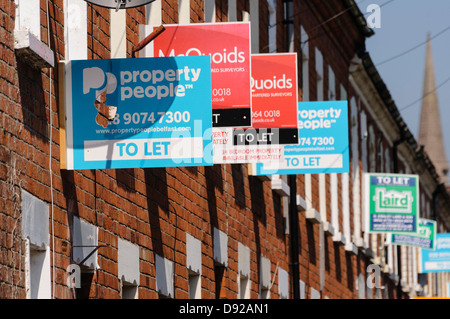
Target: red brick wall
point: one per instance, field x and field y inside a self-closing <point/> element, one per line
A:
<point x="155" y="208"/>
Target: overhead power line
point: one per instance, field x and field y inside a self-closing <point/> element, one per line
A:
<point x="413" y="48"/>
<point x="337" y="16"/>
<point x="424" y="95"/>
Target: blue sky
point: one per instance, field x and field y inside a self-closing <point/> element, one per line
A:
<point x="404" y="25"/>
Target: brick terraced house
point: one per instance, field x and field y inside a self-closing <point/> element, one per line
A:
<point x="207" y="231"/>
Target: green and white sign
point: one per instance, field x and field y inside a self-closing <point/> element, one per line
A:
<point x="425" y="237"/>
<point x="391" y="203"/>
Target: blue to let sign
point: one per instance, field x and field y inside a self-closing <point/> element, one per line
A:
<point x="437" y="260"/>
<point x="323" y="142"/>
<point x="144" y="112"/>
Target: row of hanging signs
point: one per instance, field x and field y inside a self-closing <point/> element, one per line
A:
<point x="201" y="98"/>
<point x="392" y="207"/>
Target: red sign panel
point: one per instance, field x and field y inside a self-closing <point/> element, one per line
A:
<point x="274" y="90"/>
<point x="274" y="117"/>
<point x="228" y="44"/>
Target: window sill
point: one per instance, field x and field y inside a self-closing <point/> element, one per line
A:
<point x="31" y="50"/>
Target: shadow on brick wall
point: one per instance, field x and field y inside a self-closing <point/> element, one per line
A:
<point x="158" y="205"/>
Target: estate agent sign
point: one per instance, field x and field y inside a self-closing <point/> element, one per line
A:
<point x="439" y="259"/>
<point x="126" y="113"/>
<point x="392" y="203"/>
<point x="274" y="114"/>
<point x="228" y="46"/>
<point x="425" y="237"/>
<point x="322" y="142"/>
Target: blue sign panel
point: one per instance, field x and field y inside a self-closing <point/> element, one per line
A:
<point x="323" y="142"/>
<point x="425" y="237"/>
<point x="143" y="112"/>
<point x="437" y="260"/>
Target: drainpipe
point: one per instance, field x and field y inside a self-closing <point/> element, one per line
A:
<point x="399" y="261"/>
<point x="293" y="213"/>
<point x="435" y="204"/>
<point x="293" y="226"/>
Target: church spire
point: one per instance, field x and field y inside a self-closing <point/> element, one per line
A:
<point x="430" y="130"/>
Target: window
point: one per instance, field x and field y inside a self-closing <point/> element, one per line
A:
<point x="194" y="285"/>
<point x="128" y="260"/>
<point x="220" y="245"/>
<point x="254" y="25"/>
<point x="35" y="232"/>
<point x="315" y="294"/>
<point x="305" y="64"/>
<point x="361" y="286"/>
<point x="244" y="287"/>
<point x="244" y="271"/>
<point x="319" y="75"/>
<point x="85" y="239"/>
<point x="302" y="289"/>
<point x="27" y="35"/>
<point x="323" y="198"/>
<point x="338" y="236"/>
<point x="264" y="278"/>
<point x="308" y="192"/>
<point x="331" y="84"/>
<point x="283" y="283"/>
<point x="194" y="265"/>
<point x="210" y="10"/>
<point x="289" y="20"/>
<point x="356" y="187"/>
<point x="372" y="152"/>
<point x="387" y="160"/>
<point x="164" y="277"/>
<point x="272" y="26"/>
<point x="380" y="155"/>
<point x="346" y="212"/>
<point x="232" y="10"/>
<point x="37" y="271"/>
<point x="253" y="17"/>
<point x="26" y="17"/>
